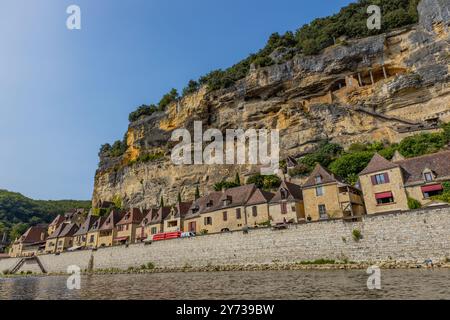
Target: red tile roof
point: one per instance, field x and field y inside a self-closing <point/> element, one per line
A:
<point x="326" y="175"/>
<point x="377" y="164"/>
<point x="111" y="221"/>
<point x="438" y="163"/>
<point x="294" y="192"/>
<point x="57" y="221"/>
<point x="34" y="235"/>
<point x="133" y="216"/>
<point x="86" y="226"/>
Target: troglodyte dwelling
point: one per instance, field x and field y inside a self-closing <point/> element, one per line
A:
<point x="387" y="185"/>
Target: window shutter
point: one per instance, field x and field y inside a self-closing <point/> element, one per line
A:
<point x="386" y="178"/>
<point x="374" y="180"/>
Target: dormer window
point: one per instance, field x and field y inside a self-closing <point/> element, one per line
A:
<point x="209" y="204"/>
<point x="195" y="209"/>
<point x="428" y="176"/>
<point x="318" y="179"/>
<point x="227" y="201"/>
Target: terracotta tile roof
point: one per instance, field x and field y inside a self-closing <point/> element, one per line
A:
<point x="148" y="216"/>
<point x="182" y="209"/>
<point x="161" y="214"/>
<point x="414" y="168"/>
<point x="57" y="221"/>
<point x="377" y="164"/>
<point x="97" y="224"/>
<point x="326" y="175"/>
<point x="236" y="197"/>
<point x="111" y="221"/>
<point x="133" y="216"/>
<point x="58" y="231"/>
<point x="294" y="192"/>
<point x="259" y="197"/>
<point x="69" y="230"/>
<point x="203" y="204"/>
<point x="34" y="235"/>
<point x="86" y="226"/>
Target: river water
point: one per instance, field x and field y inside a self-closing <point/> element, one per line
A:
<point x="283" y="285"/>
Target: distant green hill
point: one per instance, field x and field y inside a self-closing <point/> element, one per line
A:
<point x="18" y="212"/>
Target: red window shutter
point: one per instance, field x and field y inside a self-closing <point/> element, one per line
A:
<point x="374" y="180"/>
<point x="386" y="178"/>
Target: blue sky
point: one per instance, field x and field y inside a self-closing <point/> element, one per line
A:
<point x="64" y="93"/>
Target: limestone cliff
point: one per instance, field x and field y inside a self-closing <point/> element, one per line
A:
<point x="382" y="87"/>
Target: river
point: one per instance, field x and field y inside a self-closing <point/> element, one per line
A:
<point x="283" y="285"/>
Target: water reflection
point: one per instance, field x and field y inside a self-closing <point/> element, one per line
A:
<point x="396" y="284"/>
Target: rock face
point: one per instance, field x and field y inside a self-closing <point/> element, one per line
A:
<point x="383" y="87"/>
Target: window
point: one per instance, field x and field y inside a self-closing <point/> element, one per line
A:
<point x="428" y="176"/>
<point x="208" y="221"/>
<point x="432" y="190"/>
<point x="225" y="216"/>
<point x="255" y="211"/>
<point x="323" y="211"/>
<point x="318" y="179"/>
<point x="380" y="179"/>
<point x="283" y="194"/>
<point x="172" y="224"/>
<point x="384" y="198"/>
<point x="238" y="214"/>
<point x="154" y="230"/>
<point x="91" y="240"/>
<point x="319" y="191"/>
<point x="293" y="209"/>
<point x="283" y="208"/>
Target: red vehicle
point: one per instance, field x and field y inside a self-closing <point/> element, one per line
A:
<point x="167" y="236"/>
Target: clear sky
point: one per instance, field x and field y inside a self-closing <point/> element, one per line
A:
<point x="64" y="93"/>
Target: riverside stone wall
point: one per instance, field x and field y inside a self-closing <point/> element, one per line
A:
<point x="403" y="237"/>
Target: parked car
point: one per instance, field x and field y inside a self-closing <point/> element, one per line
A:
<point x="188" y="234"/>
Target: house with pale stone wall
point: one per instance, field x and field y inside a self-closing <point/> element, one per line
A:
<point x="328" y="197"/>
<point x="388" y="184"/>
<point x="287" y="206"/>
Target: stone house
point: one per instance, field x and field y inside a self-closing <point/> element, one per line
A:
<point x="328" y="197"/>
<point x="62" y="238"/>
<point x="126" y="227"/>
<point x="80" y="237"/>
<point x="388" y="184"/>
<point x="155" y="224"/>
<point x="108" y="230"/>
<point x="30" y="243"/>
<point x="142" y="232"/>
<point x="257" y="208"/>
<point x="224" y="211"/>
<point x="55" y="224"/>
<point x="174" y="221"/>
<point x="286" y="206"/>
<point x="93" y="234"/>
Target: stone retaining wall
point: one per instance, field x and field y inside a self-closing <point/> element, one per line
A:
<point x="404" y="237"/>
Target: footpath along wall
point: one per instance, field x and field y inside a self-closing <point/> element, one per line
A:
<point x="403" y="237"/>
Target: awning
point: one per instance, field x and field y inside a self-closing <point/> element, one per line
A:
<point x="121" y="239"/>
<point x="384" y="195"/>
<point x="434" y="187"/>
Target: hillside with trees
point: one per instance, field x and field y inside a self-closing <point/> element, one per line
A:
<point x="18" y="213"/>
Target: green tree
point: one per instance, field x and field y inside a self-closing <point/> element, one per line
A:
<point x="237" y="179"/>
<point x="414" y="204"/>
<point x="18" y="230"/>
<point x="351" y="164"/>
<point x="179" y="198"/>
<point x="167" y="99"/>
<point x="191" y="88"/>
<point x="161" y="203"/>
<point x="197" y="193"/>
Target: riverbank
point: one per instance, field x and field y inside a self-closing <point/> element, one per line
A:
<point x="299" y="266"/>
